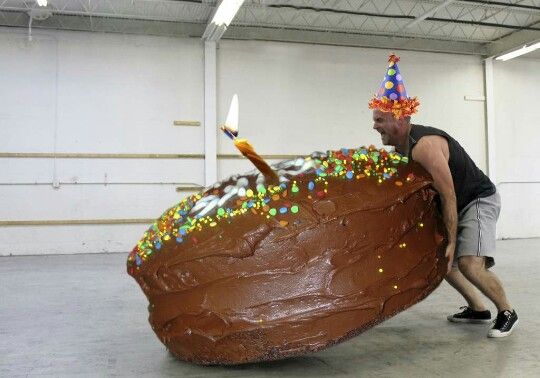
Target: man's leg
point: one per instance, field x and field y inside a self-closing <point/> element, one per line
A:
<point x="456" y="279"/>
<point x="474" y="270"/>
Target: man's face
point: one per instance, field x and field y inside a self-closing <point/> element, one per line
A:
<point x="387" y="126"/>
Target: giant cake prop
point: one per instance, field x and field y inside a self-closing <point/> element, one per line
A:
<point x="249" y="271"/>
<point x="292" y="258"/>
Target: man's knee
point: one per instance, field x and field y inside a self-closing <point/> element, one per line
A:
<point x="471" y="265"/>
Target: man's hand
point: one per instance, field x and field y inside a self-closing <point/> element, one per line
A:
<point x="450" y="249"/>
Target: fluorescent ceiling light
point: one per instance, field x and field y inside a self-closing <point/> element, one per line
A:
<point x="42" y="3"/>
<point x="521" y="51"/>
<point x="226" y="12"/>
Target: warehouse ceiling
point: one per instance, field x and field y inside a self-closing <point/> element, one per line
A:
<point x="477" y="27"/>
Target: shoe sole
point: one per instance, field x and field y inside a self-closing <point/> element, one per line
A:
<point x="500" y="334"/>
<point x="471" y="321"/>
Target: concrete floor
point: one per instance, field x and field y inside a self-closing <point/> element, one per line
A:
<point x="82" y="315"/>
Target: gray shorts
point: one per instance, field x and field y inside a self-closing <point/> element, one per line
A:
<point x="476" y="229"/>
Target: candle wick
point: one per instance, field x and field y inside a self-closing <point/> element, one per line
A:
<point x="228" y="132"/>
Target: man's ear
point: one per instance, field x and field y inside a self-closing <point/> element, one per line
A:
<point x="403" y="122"/>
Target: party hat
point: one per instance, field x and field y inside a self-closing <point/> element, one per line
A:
<point x="392" y="96"/>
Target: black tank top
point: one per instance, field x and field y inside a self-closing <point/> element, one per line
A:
<point x="469" y="181"/>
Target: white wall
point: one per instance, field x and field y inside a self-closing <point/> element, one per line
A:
<point x="517" y="117"/>
<point x="94" y="93"/>
<point x="110" y="93"/>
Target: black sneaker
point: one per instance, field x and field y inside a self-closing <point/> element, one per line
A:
<point x="504" y="324"/>
<point x="468" y="315"/>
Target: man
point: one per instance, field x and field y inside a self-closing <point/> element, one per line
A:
<point x="469" y="200"/>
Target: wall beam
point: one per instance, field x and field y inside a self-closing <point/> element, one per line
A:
<point x="490" y="120"/>
<point x="210" y="113"/>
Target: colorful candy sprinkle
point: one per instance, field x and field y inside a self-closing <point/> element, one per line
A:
<point x="212" y="206"/>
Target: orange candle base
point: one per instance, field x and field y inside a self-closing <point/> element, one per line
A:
<point x="248" y="151"/>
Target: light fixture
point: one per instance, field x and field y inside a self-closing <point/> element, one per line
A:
<point x="222" y="18"/>
<point x="524" y="50"/>
<point x="226" y="12"/>
<point x="41" y="13"/>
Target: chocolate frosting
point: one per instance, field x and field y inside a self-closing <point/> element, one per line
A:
<point x="257" y="286"/>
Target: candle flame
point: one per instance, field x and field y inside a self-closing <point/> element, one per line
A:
<point x="231" y="122"/>
<point x="230" y="128"/>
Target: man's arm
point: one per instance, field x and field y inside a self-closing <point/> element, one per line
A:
<point x="429" y="152"/>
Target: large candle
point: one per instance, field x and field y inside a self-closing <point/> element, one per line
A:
<point x="231" y="130"/>
<point x="247" y="150"/>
